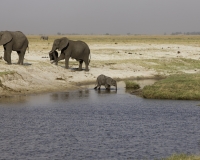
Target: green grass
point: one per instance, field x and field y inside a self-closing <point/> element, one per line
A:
<point x="182" y="157"/>
<point x="180" y="86"/>
<point x="131" y="84"/>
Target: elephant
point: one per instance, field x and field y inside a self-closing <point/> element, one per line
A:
<point x="13" y="41"/>
<point x="106" y="81"/>
<point x="53" y="56"/>
<point x="78" y="50"/>
<point x="44" y="37"/>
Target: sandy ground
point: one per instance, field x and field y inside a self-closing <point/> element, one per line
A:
<point x="39" y="75"/>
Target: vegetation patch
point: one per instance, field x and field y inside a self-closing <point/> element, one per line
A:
<point x="180" y="87"/>
<point x="7" y="72"/>
<point x="116" y="39"/>
<point x="182" y="157"/>
<point x="132" y="85"/>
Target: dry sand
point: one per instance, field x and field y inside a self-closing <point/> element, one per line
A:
<point x="39" y="75"/>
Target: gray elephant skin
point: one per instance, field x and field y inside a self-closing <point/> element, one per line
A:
<point x="106" y="81"/>
<point x="44" y="37"/>
<point x="53" y="56"/>
<point x="78" y="50"/>
<point x="13" y="41"/>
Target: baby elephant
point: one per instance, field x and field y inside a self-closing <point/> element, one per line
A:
<point x="106" y="81"/>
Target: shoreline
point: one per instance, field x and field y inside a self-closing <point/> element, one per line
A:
<point x="74" y="87"/>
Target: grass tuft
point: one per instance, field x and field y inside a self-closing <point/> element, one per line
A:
<point x="182" y="157"/>
<point x="132" y="85"/>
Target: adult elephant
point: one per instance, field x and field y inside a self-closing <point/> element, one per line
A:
<point x="78" y="50"/>
<point x="44" y="37"/>
<point x="13" y="41"/>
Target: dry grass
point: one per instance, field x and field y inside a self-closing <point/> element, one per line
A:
<point x="115" y="39"/>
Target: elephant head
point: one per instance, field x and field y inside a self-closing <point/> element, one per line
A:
<point x="5" y="37"/>
<point x="59" y="44"/>
<point x="53" y="56"/>
<point x="111" y="82"/>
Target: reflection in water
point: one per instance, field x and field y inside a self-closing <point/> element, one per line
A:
<point x="92" y="124"/>
<point x="58" y="96"/>
<point x="105" y="91"/>
<point x="80" y="94"/>
<point x="13" y="99"/>
<point x="70" y="95"/>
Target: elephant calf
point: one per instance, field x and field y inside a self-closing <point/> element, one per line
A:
<point x="106" y="81"/>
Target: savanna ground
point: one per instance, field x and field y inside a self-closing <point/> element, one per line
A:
<point x="117" y="56"/>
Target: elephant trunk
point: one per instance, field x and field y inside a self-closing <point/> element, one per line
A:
<point x="52" y="55"/>
<point x="53" y="49"/>
<point x="116" y="86"/>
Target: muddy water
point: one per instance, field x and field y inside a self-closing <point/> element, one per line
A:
<point x="89" y="124"/>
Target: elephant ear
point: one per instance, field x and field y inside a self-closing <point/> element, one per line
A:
<point x="5" y="38"/>
<point x="114" y="82"/>
<point x="63" y="43"/>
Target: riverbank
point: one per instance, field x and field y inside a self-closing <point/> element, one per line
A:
<point x="120" y="57"/>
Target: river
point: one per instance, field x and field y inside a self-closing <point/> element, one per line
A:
<point x="91" y="124"/>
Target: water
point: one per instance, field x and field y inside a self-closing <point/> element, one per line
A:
<point x="89" y="124"/>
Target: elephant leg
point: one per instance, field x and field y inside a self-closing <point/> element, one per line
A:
<point x="21" y="57"/>
<point x="99" y="87"/>
<point x="80" y="65"/>
<point x="86" y="66"/>
<point x="108" y="87"/>
<point x="7" y="55"/>
<point x="97" y="84"/>
<point x="96" y="87"/>
<point x="18" y="52"/>
<point x="67" y="61"/>
<point x="61" y="57"/>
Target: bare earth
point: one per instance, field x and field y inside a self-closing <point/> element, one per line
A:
<point x="38" y="75"/>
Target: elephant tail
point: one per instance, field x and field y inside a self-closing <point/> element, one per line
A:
<point x="28" y="48"/>
<point x="89" y="59"/>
